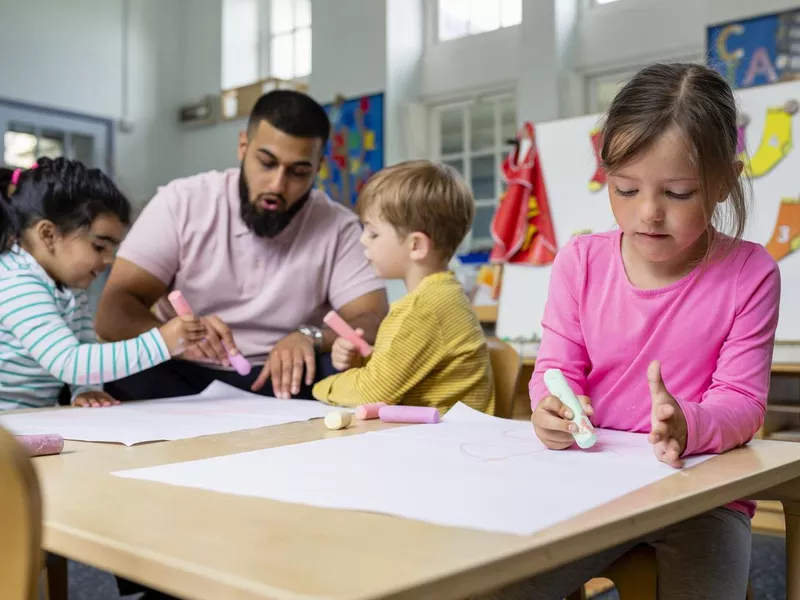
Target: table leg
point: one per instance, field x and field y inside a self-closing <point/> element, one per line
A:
<point x="791" y="511"/>
<point x="56" y="577"/>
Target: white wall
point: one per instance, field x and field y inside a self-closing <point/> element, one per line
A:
<point x="348" y="48"/>
<point x="343" y="62"/>
<point x="603" y="38"/>
<point x="68" y="55"/>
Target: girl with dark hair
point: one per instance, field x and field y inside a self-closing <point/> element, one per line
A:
<point x="60" y="225"/>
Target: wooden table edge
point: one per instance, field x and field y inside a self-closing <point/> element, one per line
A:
<point x="203" y="582"/>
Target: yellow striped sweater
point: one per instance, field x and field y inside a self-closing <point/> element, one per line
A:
<point x="430" y="351"/>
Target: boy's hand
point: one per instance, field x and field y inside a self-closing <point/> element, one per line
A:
<point x="667" y="422"/>
<point x="552" y="424"/>
<point x="345" y="354"/>
<point x="94" y="400"/>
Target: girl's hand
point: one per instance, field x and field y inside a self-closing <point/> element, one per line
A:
<point x="667" y="422"/>
<point x="182" y="332"/>
<point x="344" y="354"/>
<point x="94" y="400"/>
<point x="552" y="424"/>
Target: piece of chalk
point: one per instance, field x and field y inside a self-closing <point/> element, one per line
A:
<point x="41" y="445"/>
<point x="408" y="414"/>
<point x="342" y="329"/>
<point x="182" y="307"/>
<point x="368" y="411"/>
<point x="557" y="385"/>
<point x="337" y="420"/>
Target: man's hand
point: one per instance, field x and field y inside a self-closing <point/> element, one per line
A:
<point x="285" y="366"/>
<point x="667" y="422"/>
<point x="94" y="399"/>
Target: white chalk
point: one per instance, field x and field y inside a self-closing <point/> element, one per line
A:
<point x="557" y="385"/>
<point x="338" y="420"/>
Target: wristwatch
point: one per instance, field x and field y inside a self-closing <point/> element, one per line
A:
<point x="314" y="333"/>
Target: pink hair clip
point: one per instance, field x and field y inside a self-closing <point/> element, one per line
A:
<point x="17" y="172"/>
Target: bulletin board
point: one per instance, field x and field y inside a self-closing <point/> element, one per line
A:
<point x="757" y="51"/>
<point x="355" y="148"/>
<point x="579" y="203"/>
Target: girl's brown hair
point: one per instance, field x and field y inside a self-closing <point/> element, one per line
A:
<point x="701" y="104"/>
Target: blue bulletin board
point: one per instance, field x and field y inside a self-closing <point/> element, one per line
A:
<point x="756" y="51"/>
<point x="355" y="148"/>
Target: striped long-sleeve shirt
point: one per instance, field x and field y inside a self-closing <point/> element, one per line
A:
<point x="430" y="351"/>
<point x="47" y="339"/>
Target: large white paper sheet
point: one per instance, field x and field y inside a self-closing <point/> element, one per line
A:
<point x="220" y="408"/>
<point x="471" y="470"/>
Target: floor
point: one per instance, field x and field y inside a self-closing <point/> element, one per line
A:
<point x="767" y="575"/>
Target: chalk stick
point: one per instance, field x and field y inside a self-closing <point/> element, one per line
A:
<point x="182" y="307"/>
<point x="408" y="414"/>
<point x="368" y="411"/>
<point x="337" y="420"/>
<point x="557" y="385"/>
<point x="342" y="329"/>
<point x="41" y="445"/>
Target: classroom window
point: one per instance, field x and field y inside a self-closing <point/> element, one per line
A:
<point x="460" y="18"/>
<point x="265" y="38"/>
<point x="473" y="139"/>
<point x="290" y="38"/>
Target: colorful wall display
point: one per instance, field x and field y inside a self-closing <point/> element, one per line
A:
<point x="756" y="51"/>
<point x="355" y="148"/>
<point x="577" y="194"/>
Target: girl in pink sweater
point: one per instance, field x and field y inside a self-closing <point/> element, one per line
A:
<point x="666" y="325"/>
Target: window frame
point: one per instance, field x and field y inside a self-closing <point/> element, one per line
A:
<point x="264" y="39"/>
<point x="435" y="16"/>
<point x="499" y="150"/>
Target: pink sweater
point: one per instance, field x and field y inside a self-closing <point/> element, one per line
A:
<point x="713" y="332"/>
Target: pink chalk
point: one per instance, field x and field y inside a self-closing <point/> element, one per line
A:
<point x="408" y="414"/>
<point x="41" y="445"/>
<point x="343" y="329"/>
<point x="182" y="307"/>
<point x="368" y="411"/>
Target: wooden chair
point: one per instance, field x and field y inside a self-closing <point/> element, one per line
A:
<point x="635" y="576"/>
<point x="506" y="366"/>
<point x="20" y="523"/>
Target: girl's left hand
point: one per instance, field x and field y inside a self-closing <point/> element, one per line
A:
<point x="667" y="421"/>
<point x="94" y="400"/>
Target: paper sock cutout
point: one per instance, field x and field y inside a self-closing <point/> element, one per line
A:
<point x="786" y="236"/>
<point x="776" y="140"/>
<point x="599" y="178"/>
<point x="741" y="143"/>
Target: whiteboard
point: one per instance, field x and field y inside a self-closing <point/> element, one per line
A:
<point x="568" y="163"/>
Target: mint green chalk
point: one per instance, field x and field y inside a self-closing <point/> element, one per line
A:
<point x="557" y="385"/>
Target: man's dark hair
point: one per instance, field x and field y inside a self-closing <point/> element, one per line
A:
<point x="291" y="112"/>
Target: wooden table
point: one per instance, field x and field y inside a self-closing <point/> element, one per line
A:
<point x="207" y="545"/>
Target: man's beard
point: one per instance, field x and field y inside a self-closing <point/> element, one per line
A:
<point x="266" y="223"/>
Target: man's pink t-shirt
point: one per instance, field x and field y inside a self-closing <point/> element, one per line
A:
<point x="191" y="237"/>
<point x="713" y="331"/>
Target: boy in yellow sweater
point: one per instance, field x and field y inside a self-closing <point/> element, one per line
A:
<point x="430" y="349"/>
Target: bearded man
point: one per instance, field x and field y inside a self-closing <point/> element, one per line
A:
<point x="258" y="253"/>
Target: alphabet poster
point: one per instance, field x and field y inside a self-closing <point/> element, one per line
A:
<point x="756" y="51"/>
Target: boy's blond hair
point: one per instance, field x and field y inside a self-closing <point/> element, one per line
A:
<point x="424" y="196"/>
